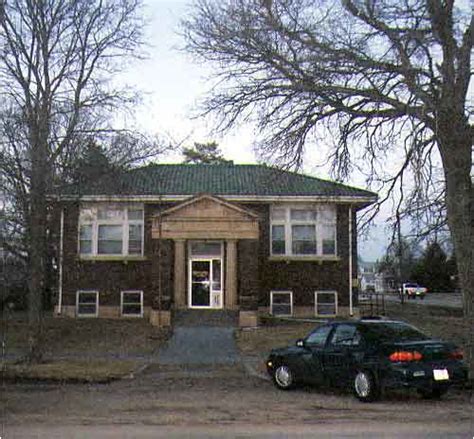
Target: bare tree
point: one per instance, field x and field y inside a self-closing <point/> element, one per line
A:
<point x="56" y="61"/>
<point x="388" y="79"/>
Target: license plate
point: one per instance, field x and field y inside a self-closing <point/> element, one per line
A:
<point x="441" y="374"/>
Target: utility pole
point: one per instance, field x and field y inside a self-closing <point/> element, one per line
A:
<point x="399" y="257"/>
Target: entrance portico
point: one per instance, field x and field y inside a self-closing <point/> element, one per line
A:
<point x="205" y="231"/>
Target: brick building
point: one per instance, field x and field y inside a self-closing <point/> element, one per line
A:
<point x="248" y="238"/>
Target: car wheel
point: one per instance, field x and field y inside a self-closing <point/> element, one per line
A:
<point x="436" y="393"/>
<point x="283" y="377"/>
<point x="365" y="387"/>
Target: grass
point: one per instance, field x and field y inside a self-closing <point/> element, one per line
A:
<point x="261" y="340"/>
<point x="85" y="337"/>
<point x="80" y="350"/>
<point x="437" y="322"/>
<point x="97" y="371"/>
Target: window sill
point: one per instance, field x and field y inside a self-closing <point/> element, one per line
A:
<point x="305" y="258"/>
<point x="112" y="258"/>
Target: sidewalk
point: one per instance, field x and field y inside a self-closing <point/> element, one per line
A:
<point x="205" y="345"/>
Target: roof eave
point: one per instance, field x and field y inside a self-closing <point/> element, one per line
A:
<point x="360" y="200"/>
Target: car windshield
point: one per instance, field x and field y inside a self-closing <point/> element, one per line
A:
<point x="393" y="331"/>
<point x="411" y="285"/>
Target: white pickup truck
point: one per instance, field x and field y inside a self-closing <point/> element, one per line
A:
<point x="412" y="291"/>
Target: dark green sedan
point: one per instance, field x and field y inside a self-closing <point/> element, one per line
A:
<point x="369" y="356"/>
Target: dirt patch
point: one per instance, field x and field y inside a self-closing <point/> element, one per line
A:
<point x="96" y="371"/>
<point x="226" y="397"/>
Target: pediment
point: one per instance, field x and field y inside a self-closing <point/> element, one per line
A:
<point x="206" y="217"/>
<point x="207" y="207"/>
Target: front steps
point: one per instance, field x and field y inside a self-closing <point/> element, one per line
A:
<point x="205" y="317"/>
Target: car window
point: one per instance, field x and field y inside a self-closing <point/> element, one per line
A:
<point x="318" y="337"/>
<point x="392" y="331"/>
<point x="345" y="335"/>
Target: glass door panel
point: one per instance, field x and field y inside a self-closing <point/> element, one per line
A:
<point x="206" y="283"/>
<point x="200" y="283"/>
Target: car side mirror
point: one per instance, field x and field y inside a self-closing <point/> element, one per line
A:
<point x="300" y="343"/>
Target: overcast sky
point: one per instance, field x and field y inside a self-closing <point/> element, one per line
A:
<point x="172" y="85"/>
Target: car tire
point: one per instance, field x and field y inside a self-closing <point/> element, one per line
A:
<point x="283" y="377"/>
<point x="365" y="386"/>
<point x="436" y="393"/>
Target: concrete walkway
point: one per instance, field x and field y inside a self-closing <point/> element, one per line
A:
<point x="206" y="345"/>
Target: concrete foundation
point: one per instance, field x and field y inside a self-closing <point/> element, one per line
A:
<point x="160" y="318"/>
<point x="248" y="319"/>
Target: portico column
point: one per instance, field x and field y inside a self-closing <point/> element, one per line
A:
<point x="179" y="273"/>
<point x="231" y="275"/>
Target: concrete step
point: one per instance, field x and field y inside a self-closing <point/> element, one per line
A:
<point x="205" y="317"/>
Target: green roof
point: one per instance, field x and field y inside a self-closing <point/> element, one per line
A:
<point x="217" y="179"/>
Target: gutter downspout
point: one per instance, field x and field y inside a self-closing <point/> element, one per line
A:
<point x="351" y="310"/>
<point x="60" y="280"/>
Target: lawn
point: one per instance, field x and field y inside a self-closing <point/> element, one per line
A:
<point x="434" y="321"/>
<point x="66" y="337"/>
<point x="80" y="349"/>
<point x="261" y="340"/>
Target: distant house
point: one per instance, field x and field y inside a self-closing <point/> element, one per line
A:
<point x="367" y="276"/>
<point x="248" y="238"/>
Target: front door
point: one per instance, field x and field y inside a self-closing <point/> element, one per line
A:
<point x="205" y="283"/>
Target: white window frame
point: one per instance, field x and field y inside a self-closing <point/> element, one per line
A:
<point x="316" y="302"/>
<point x="281" y="292"/>
<point x="318" y="224"/>
<point x="78" y="293"/>
<point x="124" y="222"/>
<point x="122" y="303"/>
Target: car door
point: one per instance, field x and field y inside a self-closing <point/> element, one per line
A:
<point x="341" y="353"/>
<point x="314" y="345"/>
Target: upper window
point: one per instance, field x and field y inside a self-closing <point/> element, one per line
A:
<point x="111" y="230"/>
<point x="303" y="231"/>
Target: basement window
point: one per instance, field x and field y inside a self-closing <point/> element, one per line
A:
<point x="325" y="303"/>
<point x="131" y="303"/>
<point x="87" y="303"/>
<point x="281" y="303"/>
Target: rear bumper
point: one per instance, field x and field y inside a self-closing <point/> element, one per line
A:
<point x="421" y="376"/>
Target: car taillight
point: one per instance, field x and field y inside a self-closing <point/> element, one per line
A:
<point x="403" y="356"/>
<point x="458" y="354"/>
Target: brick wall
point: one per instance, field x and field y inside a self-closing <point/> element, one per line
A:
<point x="257" y="274"/>
<point x="112" y="277"/>
<point x="303" y="277"/>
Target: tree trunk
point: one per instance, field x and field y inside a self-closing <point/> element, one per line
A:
<point x="455" y="147"/>
<point x="37" y="219"/>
